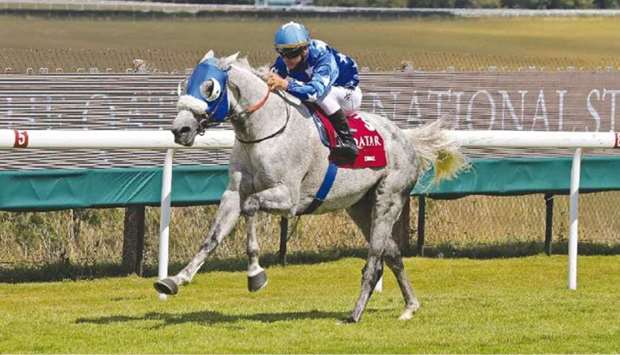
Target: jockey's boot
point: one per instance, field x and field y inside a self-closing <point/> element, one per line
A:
<point x="346" y="150"/>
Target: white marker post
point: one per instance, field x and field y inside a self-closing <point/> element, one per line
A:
<point x="574" y="222"/>
<point x="164" y="221"/>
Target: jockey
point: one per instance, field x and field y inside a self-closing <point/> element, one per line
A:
<point x="314" y="72"/>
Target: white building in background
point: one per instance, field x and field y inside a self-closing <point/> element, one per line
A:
<point x="283" y="2"/>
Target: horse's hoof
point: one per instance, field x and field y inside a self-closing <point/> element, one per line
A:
<point x="406" y="315"/>
<point x="257" y="282"/>
<point x="351" y="320"/>
<point x="166" y="286"/>
<point x="409" y="311"/>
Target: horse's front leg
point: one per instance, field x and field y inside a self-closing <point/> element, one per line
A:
<point x="225" y="220"/>
<point x="257" y="277"/>
<point x="278" y="199"/>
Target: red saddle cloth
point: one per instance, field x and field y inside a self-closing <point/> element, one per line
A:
<point x="369" y="142"/>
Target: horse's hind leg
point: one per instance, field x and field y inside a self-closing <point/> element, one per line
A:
<point x="386" y="210"/>
<point x="225" y="220"/>
<point x="361" y="214"/>
<point x="394" y="261"/>
<point x="257" y="278"/>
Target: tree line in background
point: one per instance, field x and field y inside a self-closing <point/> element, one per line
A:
<point x="511" y="4"/>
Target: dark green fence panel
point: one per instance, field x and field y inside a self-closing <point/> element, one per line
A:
<point x="193" y="185"/>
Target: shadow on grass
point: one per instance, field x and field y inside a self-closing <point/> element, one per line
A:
<point x="70" y="271"/>
<point x="66" y="270"/>
<point x="213" y="318"/>
<point x="516" y="249"/>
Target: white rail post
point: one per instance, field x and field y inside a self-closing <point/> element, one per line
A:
<point x="164" y="221"/>
<point x="572" y="231"/>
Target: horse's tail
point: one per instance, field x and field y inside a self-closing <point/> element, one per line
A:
<point x="435" y="149"/>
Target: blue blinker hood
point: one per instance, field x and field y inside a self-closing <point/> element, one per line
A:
<point x="217" y="109"/>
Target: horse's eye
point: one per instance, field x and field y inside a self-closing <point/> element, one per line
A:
<point x="210" y="90"/>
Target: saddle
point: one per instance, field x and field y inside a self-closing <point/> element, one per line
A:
<point x="368" y="140"/>
<point x="369" y="143"/>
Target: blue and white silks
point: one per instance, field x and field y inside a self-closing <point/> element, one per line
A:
<point x="323" y="68"/>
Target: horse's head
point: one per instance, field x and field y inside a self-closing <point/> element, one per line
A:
<point x="203" y="99"/>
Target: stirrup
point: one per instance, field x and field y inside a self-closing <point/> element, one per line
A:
<point x="343" y="154"/>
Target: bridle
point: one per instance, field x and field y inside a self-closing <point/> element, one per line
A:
<point x="206" y="121"/>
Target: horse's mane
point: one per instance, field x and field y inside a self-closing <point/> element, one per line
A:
<point x="261" y="71"/>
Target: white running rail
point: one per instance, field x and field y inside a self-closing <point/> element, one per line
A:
<point x="153" y="139"/>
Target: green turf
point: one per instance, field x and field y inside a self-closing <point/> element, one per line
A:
<point x="482" y="306"/>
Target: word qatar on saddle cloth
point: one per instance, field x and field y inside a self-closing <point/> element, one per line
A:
<point x="370" y="145"/>
<point x="369" y="142"/>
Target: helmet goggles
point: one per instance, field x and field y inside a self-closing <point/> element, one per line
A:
<point x="290" y="52"/>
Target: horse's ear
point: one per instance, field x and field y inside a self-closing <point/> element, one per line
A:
<point x="208" y="56"/>
<point x="225" y="63"/>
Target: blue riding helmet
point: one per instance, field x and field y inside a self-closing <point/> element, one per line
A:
<point x="290" y="37"/>
<point x="208" y="83"/>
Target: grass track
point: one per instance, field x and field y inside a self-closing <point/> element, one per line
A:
<point x="503" y="305"/>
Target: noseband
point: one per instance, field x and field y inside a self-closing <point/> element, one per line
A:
<point x="206" y="121"/>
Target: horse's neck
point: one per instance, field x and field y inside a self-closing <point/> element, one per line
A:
<point x="251" y="89"/>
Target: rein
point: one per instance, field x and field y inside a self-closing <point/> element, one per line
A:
<point x="259" y="104"/>
<point x="278" y="132"/>
<point x="206" y="121"/>
<point x="250" y="110"/>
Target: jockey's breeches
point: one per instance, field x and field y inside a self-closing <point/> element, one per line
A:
<point x="339" y="97"/>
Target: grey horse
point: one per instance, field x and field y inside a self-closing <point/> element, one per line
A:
<point x="278" y="163"/>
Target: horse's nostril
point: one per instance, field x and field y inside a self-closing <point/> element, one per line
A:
<point x="185" y="129"/>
